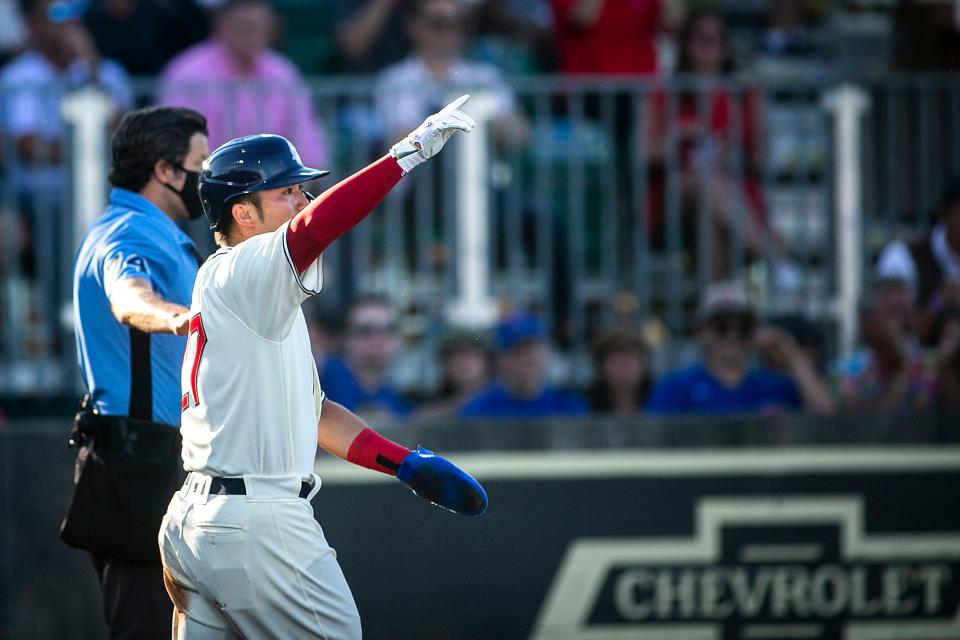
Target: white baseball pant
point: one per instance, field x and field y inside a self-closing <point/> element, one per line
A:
<point x="253" y="566"/>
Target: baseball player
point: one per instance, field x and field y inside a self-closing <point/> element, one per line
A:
<point x="242" y="553"/>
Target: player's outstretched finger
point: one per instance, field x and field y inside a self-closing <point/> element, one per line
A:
<point x="456" y="104"/>
<point x="459" y="126"/>
<point x="465" y="119"/>
<point x="459" y="120"/>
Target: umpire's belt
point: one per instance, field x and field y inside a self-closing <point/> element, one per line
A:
<point x="112" y="432"/>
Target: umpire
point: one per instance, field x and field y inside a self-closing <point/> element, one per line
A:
<point x="132" y="286"/>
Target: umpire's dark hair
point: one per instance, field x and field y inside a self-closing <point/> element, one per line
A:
<point x="145" y="137"/>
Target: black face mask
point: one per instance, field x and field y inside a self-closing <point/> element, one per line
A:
<point x="189" y="194"/>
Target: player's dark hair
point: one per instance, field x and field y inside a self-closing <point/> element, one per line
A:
<point x="225" y="223"/>
<point x="145" y="137"/>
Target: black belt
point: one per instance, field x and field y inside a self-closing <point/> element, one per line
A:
<point x="115" y="429"/>
<point x="236" y="487"/>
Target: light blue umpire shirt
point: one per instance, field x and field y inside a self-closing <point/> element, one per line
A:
<point x="128" y="372"/>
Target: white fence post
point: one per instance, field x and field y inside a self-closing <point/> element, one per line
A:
<point x="848" y="103"/>
<point x="474" y="306"/>
<point x="88" y="112"/>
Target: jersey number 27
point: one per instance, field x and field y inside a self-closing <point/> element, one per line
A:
<point x="196" y="329"/>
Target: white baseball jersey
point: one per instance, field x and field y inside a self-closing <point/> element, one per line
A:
<point x="251" y="397"/>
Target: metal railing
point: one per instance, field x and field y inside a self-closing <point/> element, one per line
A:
<point x="621" y="202"/>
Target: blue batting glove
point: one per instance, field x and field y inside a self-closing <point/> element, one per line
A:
<point x="441" y="482"/>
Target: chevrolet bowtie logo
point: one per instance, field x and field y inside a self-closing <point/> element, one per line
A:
<point x="759" y="568"/>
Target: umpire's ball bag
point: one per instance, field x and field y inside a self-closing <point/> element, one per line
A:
<point x="124" y="478"/>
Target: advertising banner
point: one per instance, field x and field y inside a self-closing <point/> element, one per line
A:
<point x="846" y="542"/>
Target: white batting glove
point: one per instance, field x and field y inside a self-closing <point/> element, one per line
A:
<point x="426" y="140"/>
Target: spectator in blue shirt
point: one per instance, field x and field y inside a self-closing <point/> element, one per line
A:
<point x="521" y="390"/>
<point x="358" y="380"/>
<point x="726" y="380"/>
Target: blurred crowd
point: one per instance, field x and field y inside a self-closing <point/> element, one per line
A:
<point x="243" y="64"/>
<point x="908" y="357"/>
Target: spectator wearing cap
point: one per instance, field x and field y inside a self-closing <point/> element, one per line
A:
<point x="930" y="265"/>
<point x="726" y="381"/>
<point x="891" y="370"/>
<point x="521" y="389"/>
<point x="359" y="380"/>
<point x="622" y="376"/>
<point x="466" y="366"/>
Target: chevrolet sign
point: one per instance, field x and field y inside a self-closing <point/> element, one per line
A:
<point x="756" y="568"/>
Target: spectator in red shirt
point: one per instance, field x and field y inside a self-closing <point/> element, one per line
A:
<point x="716" y="140"/>
<point x="608" y="36"/>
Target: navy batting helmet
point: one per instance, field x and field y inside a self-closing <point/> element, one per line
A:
<point x="247" y="165"/>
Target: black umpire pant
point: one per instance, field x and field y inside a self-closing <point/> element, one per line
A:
<point x="135" y="603"/>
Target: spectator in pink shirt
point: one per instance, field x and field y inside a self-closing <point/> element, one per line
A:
<point x="243" y="87"/>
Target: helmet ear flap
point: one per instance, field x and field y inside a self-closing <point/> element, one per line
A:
<point x="208" y="200"/>
<point x="215" y="198"/>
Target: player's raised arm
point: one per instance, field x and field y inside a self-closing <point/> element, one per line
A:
<point x="272" y="234"/>
<point x="341" y="207"/>
<point x="430" y="476"/>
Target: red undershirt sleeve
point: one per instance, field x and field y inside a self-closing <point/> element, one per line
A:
<point x="371" y="450"/>
<point x="339" y="209"/>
